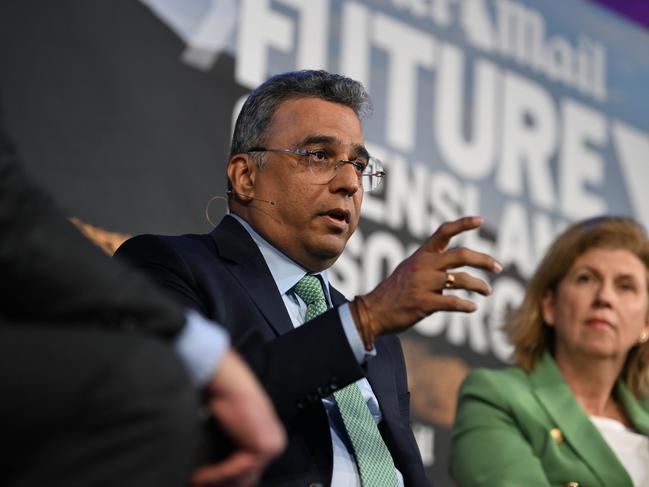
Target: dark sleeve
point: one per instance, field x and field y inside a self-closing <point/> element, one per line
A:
<point x="305" y="365"/>
<point x="51" y="273"/>
<point x="297" y="369"/>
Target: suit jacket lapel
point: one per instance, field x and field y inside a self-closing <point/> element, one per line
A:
<point x="577" y="429"/>
<point x="638" y="412"/>
<point x="244" y="260"/>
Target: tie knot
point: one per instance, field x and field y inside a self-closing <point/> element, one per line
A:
<point x="309" y="289"/>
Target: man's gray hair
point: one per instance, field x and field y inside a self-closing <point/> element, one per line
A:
<point x="256" y="113"/>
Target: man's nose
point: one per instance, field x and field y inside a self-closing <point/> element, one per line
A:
<point x="346" y="179"/>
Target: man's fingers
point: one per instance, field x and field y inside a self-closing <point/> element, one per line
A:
<point x="452" y="303"/>
<point x="240" y="468"/>
<point x="464" y="280"/>
<point x="461" y="257"/>
<point x="242" y="409"/>
<point x="439" y="241"/>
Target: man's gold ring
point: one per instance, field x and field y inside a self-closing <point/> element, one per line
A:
<point x="449" y="283"/>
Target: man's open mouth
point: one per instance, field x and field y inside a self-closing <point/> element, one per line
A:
<point x="339" y="215"/>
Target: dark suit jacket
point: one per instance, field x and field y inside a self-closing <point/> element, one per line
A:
<point x="517" y="429"/>
<point x="225" y="277"/>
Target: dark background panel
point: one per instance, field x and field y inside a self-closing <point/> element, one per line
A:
<point x="107" y="117"/>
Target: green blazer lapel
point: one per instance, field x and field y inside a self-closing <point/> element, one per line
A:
<point x="638" y="411"/>
<point x="577" y="429"/>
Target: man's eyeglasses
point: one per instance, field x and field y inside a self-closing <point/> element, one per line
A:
<point x="325" y="167"/>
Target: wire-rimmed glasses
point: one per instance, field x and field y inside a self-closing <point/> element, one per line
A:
<point x="325" y="167"/>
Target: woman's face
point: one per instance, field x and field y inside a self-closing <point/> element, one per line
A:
<point x="600" y="307"/>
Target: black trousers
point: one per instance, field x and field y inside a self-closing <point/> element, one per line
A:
<point x="93" y="408"/>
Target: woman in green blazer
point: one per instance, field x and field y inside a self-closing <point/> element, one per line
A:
<point x="575" y="410"/>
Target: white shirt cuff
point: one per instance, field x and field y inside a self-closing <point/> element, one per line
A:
<point x="201" y="345"/>
<point x="353" y="336"/>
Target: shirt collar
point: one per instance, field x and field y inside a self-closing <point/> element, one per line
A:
<point x="285" y="271"/>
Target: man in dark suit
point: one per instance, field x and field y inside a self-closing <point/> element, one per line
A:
<point x="297" y="172"/>
<point x="94" y="360"/>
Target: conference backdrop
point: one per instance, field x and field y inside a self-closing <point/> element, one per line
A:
<point x="531" y="113"/>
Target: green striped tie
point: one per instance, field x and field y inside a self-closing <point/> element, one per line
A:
<point x="374" y="461"/>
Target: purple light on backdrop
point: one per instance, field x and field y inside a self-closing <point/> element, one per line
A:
<point x="636" y="10"/>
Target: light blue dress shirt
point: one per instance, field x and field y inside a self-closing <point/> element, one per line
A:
<point x="286" y="274"/>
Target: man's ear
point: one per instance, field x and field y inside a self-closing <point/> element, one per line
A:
<point x="547" y="307"/>
<point x="241" y="174"/>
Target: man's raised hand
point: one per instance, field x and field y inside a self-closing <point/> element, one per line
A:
<point x="416" y="287"/>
